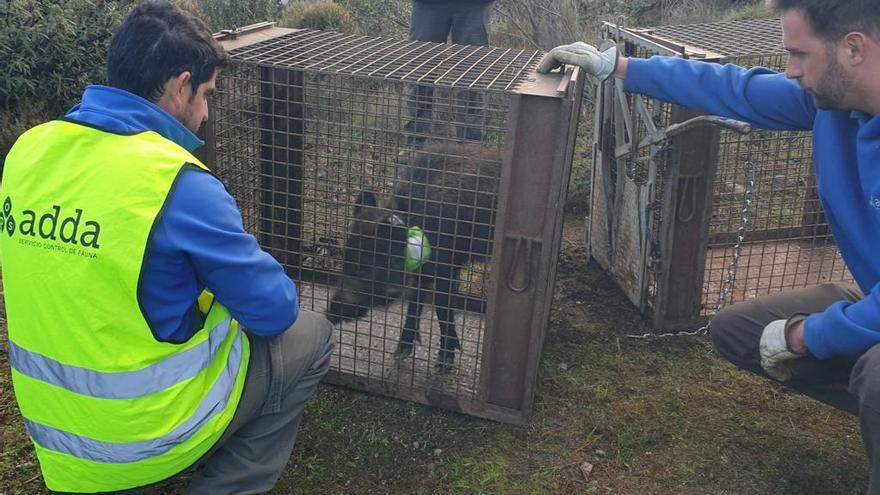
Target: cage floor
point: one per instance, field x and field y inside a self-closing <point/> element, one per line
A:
<point x="366" y="348"/>
<point x="771" y="267"/>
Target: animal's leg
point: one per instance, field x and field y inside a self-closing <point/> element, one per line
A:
<point x="448" y="337"/>
<point x="409" y="334"/>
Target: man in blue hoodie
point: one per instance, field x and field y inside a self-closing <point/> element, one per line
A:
<point x="162" y="337"/>
<point x="820" y="340"/>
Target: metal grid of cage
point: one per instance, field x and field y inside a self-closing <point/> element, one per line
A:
<point x="787" y="243"/>
<point x="372" y="169"/>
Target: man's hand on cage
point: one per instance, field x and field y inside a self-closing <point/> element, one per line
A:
<point x="775" y="352"/>
<point x="595" y="62"/>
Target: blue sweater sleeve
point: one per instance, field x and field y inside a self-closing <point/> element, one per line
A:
<point x="199" y="241"/>
<point x="759" y="96"/>
<point x="845" y="328"/>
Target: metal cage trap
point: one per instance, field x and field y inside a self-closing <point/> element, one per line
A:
<point x="414" y="192"/>
<point x="669" y="196"/>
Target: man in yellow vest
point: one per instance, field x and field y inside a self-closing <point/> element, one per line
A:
<point x="148" y="332"/>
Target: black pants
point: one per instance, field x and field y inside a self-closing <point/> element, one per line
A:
<point x="848" y="384"/>
<point x="467" y="24"/>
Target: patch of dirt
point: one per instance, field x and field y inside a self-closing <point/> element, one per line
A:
<point x="586" y="302"/>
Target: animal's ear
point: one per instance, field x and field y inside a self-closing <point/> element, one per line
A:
<point x="365" y="200"/>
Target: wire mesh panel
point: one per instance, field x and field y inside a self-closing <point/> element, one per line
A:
<point x="787" y="242"/>
<point x="372" y="169"/>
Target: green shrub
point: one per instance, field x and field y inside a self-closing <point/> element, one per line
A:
<point x="226" y="14"/>
<point x="50" y="50"/>
<point x="322" y="15"/>
<point x="385" y="18"/>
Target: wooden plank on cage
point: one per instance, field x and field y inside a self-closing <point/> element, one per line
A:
<point x="615" y="234"/>
<point x="687" y="214"/>
<point x="600" y="213"/>
<point x="536" y="165"/>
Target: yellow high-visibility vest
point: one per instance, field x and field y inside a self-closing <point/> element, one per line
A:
<point x="107" y="406"/>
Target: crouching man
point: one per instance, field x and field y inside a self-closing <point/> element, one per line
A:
<point x="148" y="332"/>
<point x="822" y="340"/>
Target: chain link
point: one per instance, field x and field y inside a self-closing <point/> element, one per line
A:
<point x="727" y="286"/>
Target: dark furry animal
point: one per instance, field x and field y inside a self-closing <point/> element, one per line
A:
<point x="449" y="192"/>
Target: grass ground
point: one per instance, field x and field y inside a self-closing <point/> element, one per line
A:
<point x="664" y="417"/>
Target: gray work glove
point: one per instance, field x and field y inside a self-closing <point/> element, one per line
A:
<point x="775" y="356"/>
<point x="600" y="64"/>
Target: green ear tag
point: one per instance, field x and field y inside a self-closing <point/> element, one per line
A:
<point x="418" y="249"/>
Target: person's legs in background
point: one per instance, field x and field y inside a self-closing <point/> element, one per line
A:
<point x="470" y="26"/>
<point x="429" y="22"/>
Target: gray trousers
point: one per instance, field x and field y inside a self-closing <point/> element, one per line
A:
<point x="467" y="23"/>
<point x="282" y="375"/>
<point x="848" y="384"/>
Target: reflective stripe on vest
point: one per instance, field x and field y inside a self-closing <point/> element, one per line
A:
<point x="123" y="385"/>
<point x="94" y="450"/>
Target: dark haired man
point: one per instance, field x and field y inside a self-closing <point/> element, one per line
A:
<point x="148" y="332"/>
<point x="822" y="340"/>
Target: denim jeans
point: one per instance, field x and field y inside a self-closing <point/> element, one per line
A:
<point x="467" y="23"/>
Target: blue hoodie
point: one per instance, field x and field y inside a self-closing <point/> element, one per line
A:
<point x="846" y="151"/>
<point x="198" y="240"/>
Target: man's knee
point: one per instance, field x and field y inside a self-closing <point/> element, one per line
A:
<point x="723" y="327"/>
<point x="865" y="378"/>
<point x="736" y="336"/>
<point x="310" y="335"/>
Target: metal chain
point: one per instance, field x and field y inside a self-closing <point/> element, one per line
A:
<point x="727" y="287"/>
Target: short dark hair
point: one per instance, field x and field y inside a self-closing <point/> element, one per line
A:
<point x="831" y="20"/>
<point x="157" y="41"/>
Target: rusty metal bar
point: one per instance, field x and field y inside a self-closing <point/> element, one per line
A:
<point x="489" y="67"/>
<point x="234" y="33"/>
<point x="397" y="43"/>
<point x="281" y="165"/>
<point x="456" y="64"/>
<point x="472" y="66"/>
<point x="429" y="60"/>
<point x="540" y="126"/>
<point x="516" y="78"/>
<point x="416" y="46"/>
<point x="366" y="42"/>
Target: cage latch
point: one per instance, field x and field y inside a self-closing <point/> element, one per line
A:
<point x="514" y="262"/>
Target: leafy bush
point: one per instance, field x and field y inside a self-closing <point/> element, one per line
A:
<point x="322" y="15"/>
<point x="50" y="50"/>
<point x="227" y="14"/>
<point x="385" y="18"/>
